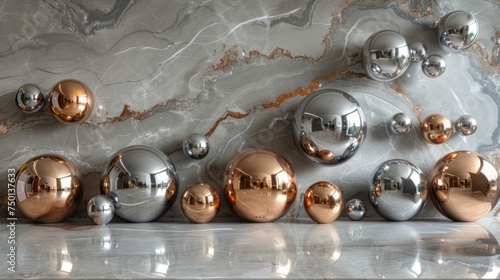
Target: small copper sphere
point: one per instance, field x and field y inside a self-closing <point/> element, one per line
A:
<point x="200" y="203"/>
<point x="323" y="202"/>
<point x="30" y="99"/>
<point x="464" y="186"/>
<point x="71" y="102"/>
<point x="260" y="185"/>
<point x="436" y="129"/>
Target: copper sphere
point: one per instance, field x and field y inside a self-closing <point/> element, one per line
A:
<point x="323" y="202"/>
<point x="48" y="188"/>
<point x="464" y="186"/>
<point x="200" y="203"/>
<point x="71" y="102"/>
<point x="260" y="185"/>
<point x="436" y="129"/>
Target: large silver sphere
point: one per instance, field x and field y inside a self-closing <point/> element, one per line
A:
<point x="386" y="55"/>
<point x="30" y="99"/>
<point x="142" y="183"/>
<point x="398" y="190"/>
<point x="329" y="126"/>
<point x="457" y="31"/>
<point x="466" y="125"/>
<point x="195" y="146"/>
<point x="401" y="123"/>
<point x="433" y="66"/>
<point x="100" y="209"/>
<point x="355" y="209"/>
<point x="418" y="51"/>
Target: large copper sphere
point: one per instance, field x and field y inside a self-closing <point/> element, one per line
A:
<point x="48" y="188"/>
<point x="200" y="203"/>
<point x="71" y="102"/>
<point x="323" y="202"/>
<point x="260" y="185"/>
<point x="436" y="129"/>
<point x="142" y="183"/>
<point x="329" y="126"/>
<point x="464" y="186"/>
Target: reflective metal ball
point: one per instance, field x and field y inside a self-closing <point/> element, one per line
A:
<point x="386" y="55"/>
<point x="398" y="190"/>
<point x="200" y="203"/>
<point x="71" y="102"/>
<point x="30" y="99"/>
<point x="457" y="31"/>
<point x="142" y="183"/>
<point x="195" y="146"/>
<point x="100" y="209"/>
<point x="329" y="126"/>
<point x="48" y="188"/>
<point x="355" y="209"/>
<point x="401" y="123"/>
<point x="436" y="129"/>
<point x="418" y="51"/>
<point x="323" y="202"/>
<point x="433" y="66"/>
<point x="466" y="125"/>
<point x="260" y="185"/>
<point x="464" y="186"/>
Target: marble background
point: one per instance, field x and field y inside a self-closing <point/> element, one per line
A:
<point x="235" y="71"/>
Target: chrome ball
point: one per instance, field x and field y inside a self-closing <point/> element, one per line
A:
<point x="71" y="102"/>
<point x="329" y="126"/>
<point x="142" y="183"/>
<point x="466" y="125"/>
<point x="433" y="66"/>
<point x="323" y="202"/>
<point x="418" y="51"/>
<point x="200" y="203"/>
<point x="100" y="209"/>
<point x="398" y="190"/>
<point x="355" y="209"/>
<point x="457" y="31"/>
<point x="436" y="129"/>
<point x="30" y="99"/>
<point x="386" y="55"/>
<point x="195" y="146"/>
<point x="401" y="123"/>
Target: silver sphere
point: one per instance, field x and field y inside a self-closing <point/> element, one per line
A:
<point x="401" y="123"/>
<point x="466" y="125"/>
<point x="100" y="209"/>
<point x="195" y="146"/>
<point x="398" y="190"/>
<point x="386" y="55"/>
<point x="457" y="31"/>
<point x="329" y="126"/>
<point x="418" y="51"/>
<point x="142" y="183"/>
<point x="355" y="209"/>
<point x="434" y="66"/>
<point x="30" y="99"/>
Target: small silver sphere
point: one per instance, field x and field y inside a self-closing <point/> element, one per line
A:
<point x="195" y="146"/>
<point x="355" y="209"/>
<point x="418" y="51"/>
<point x="30" y="99"/>
<point x="386" y="55"/>
<point x="457" y="31"/>
<point x="401" y="123"/>
<point x="100" y="209"/>
<point x="466" y="125"/>
<point x="434" y="66"/>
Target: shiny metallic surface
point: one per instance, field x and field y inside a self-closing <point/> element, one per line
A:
<point x="30" y="99"/>
<point x="323" y="202"/>
<point x="355" y="209"/>
<point x="401" y="123"/>
<point x="142" y="183"/>
<point x="464" y="186"/>
<point x="398" y="190"/>
<point x="457" y="31"/>
<point x="195" y="146"/>
<point x="418" y="51"/>
<point x="260" y="185"/>
<point x="71" y="102"/>
<point x="386" y="55"/>
<point x="200" y="203"/>
<point x="434" y="66"/>
<point x="436" y="129"/>
<point x="329" y="126"/>
<point x="100" y="209"/>
<point x="48" y="188"/>
<point x="466" y="125"/>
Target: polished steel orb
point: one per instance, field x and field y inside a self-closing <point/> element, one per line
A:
<point x="418" y="51"/>
<point x="457" y="31"/>
<point x="48" y="188"/>
<point x="329" y="126"/>
<point x="71" y="102"/>
<point x="355" y="209"/>
<point x="386" y="55"/>
<point x="200" y="203"/>
<point x="195" y="146"/>
<point x="401" y="123"/>
<point x="142" y="183"/>
<point x="433" y="66"/>
<point x="100" y="209"/>
<point x="466" y="125"/>
<point x="30" y="99"/>
<point x="436" y="129"/>
<point x="323" y="202"/>
<point x="464" y="186"/>
<point x="260" y="185"/>
<point x="398" y="190"/>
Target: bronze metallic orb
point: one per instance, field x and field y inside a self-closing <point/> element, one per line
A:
<point x="436" y="129"/>
<point x="323" y="202"/>
<point x="200" y="203"/>
<point x="71" y="102"/>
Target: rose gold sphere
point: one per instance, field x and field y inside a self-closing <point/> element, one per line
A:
<point x="260" y="185"/>
<point x="71" y="102"/>
<point x="200" y="203"/>
<point x="323" y="202"/>
<point x="464" y="186"/>
<point x="436" y="129"/>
